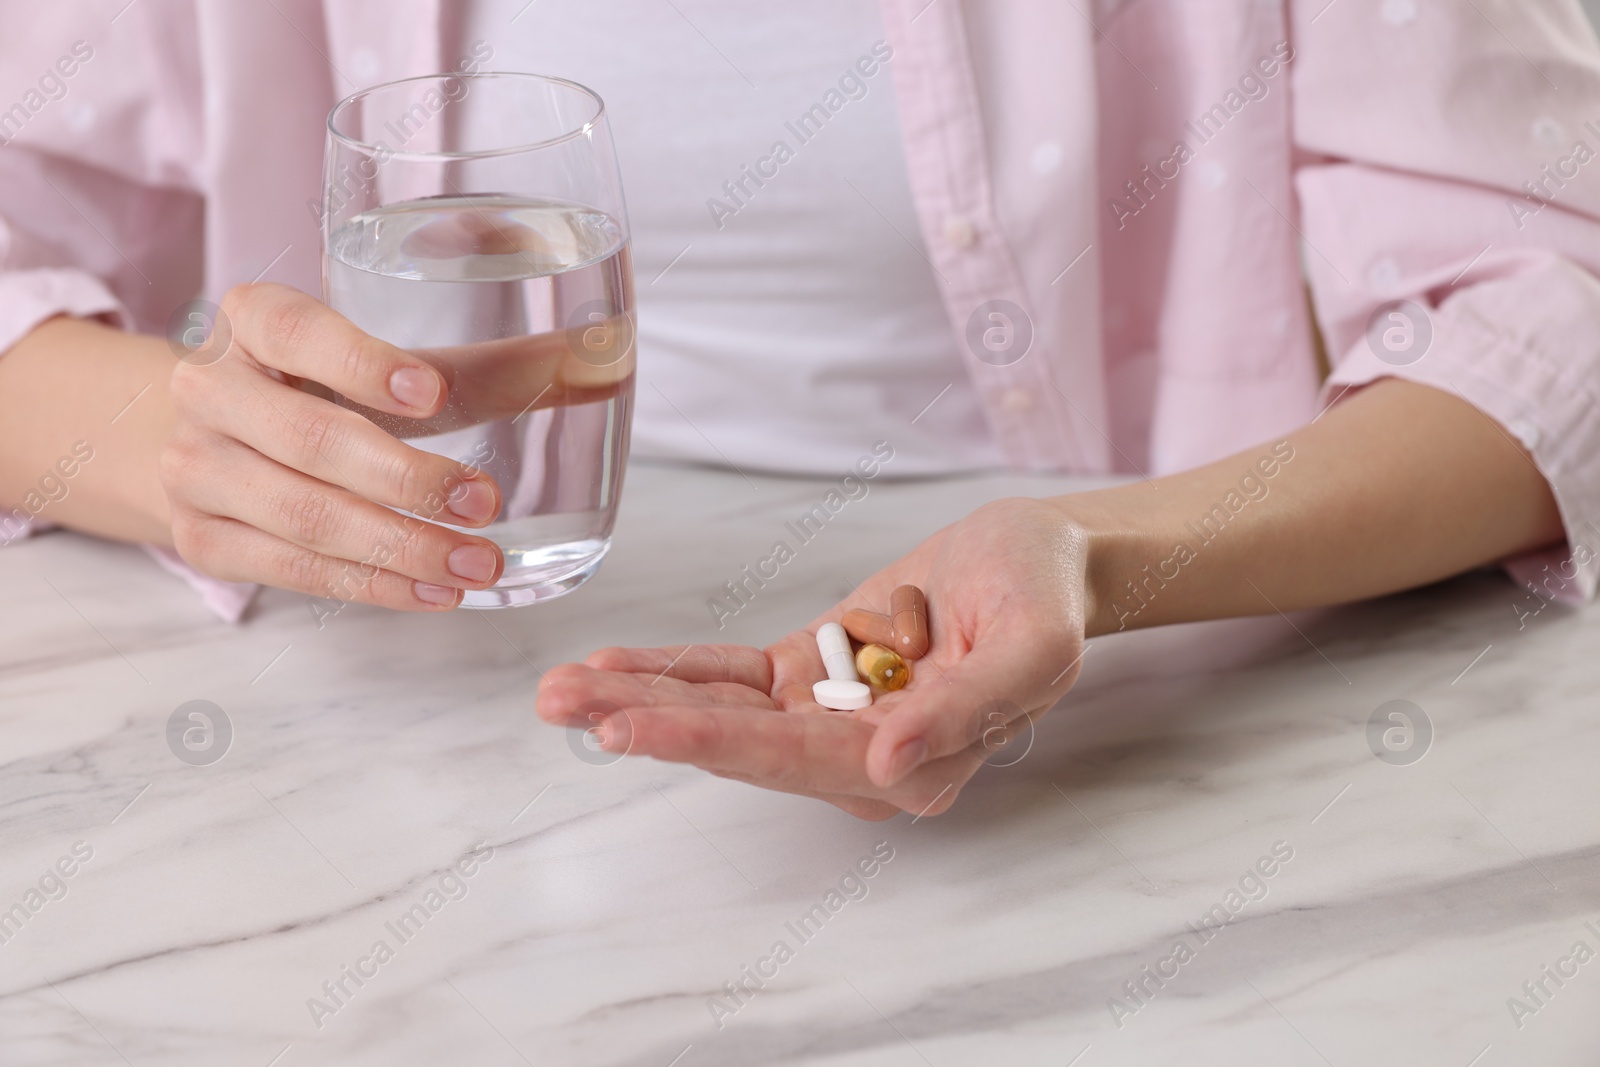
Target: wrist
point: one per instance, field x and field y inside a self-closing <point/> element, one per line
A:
<point x="88" y="407"/>
<point x="1114" y="549"/>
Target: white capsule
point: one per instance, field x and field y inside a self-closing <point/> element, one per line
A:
<point x="842" y="690"/>
<point x="834" y="645"/>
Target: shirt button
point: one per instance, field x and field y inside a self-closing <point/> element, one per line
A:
<point x="1548" y="132"/>
<point x="1400" y="12"/>
<point x="1046" y="157"/>
<point x="959" y="232"/>
<point x="365" y="66"/>
<point x="1018" y="400"/>
<point x="1384" y="275"/>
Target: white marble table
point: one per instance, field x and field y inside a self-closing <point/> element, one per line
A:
<point x="611" y="903"/>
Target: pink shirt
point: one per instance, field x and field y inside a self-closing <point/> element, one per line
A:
<point x="1153" y="195"/>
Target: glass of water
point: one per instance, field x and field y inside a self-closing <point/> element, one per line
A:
<point x="477" y="220"/>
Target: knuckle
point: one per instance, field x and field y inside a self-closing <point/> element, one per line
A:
<point x="287" y="324"/>
<point x="416" y="546"/>
<point x="422" y="484"/>
<point x="191" y="538"/>
<point x="316" y="428"/>
<point x="409" y="551"/>
<point x="187" y="386"/>
<point x="237" y="299"/>
<point x="174" y="464"/>
<point x="610" y="658"/>
<point x="384" y="589"/>
<point x="199" y="391"/>
<point x="308" y="514"/>
<point x="363" y="359"/>
<point x="307" y="572"/>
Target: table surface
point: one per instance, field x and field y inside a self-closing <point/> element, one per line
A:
<point x="388" y="781"/>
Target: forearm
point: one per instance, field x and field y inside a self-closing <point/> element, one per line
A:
<point x="1396" y="486"/>
<point x="66" y="390"/>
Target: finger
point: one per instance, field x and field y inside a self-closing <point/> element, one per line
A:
<point x="233" y="551"/>
<point x="793" y="753"/>
<point x="871" y="810"/>
<point x="932" y="788"/>
<point x="986" y="689"/>
<point x="332" y="444"/>
<point x="566" y="691"/>
<point x="292" y="332"/>
<point x="239" y="483"/>
<point x="799" y="697"/>
<point x="736" y="664"/>
<point x="813" y="755"/>
<point x="796" y="664"/>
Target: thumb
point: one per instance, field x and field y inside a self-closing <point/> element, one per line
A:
<point x="999" y="681"/>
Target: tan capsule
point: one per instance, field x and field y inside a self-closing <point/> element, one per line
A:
<point x="868" y="627"/>
<point x="882" y="667"/>
<point x="908" y="612"/>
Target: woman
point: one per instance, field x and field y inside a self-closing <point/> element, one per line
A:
<point x="1068" y="239"/>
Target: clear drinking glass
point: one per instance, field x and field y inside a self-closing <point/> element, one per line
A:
<point x="477" y="220"/>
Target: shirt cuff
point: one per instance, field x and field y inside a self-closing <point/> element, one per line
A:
<point x="16" y="524"/>
<point x="228" y="600"/>
<point x="1525" y="351"/>
<point x="29" y="297"/>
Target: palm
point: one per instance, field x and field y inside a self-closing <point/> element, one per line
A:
<point x="1005" y="598"/>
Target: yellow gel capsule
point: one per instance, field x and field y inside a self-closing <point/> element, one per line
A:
<point x="882" y="667"/>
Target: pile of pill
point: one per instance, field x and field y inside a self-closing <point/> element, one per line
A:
<point x="887" y="642"/>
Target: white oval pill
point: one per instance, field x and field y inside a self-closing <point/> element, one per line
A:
<point x="840" y="695"/>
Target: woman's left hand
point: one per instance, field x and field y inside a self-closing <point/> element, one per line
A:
<point x="1007" y="604"/>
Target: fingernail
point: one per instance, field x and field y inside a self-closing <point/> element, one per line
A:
<point x="907" y="758"/>
<point x="473" y="500"/>
<point x="434" y="594"/>
<point x="475" y="563"/>
<point x="415" y="387"/>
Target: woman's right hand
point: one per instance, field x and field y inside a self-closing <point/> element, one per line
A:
<point x="271" y="484"/>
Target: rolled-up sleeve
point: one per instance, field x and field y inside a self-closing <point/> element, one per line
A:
<point x="29" y="297"/>
<point x="35" y="287"/>
<point x="102" y="190"/>
<point x="1450" y="160"/>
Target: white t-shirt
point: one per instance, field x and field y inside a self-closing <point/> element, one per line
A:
<point x="788" y="325"/>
